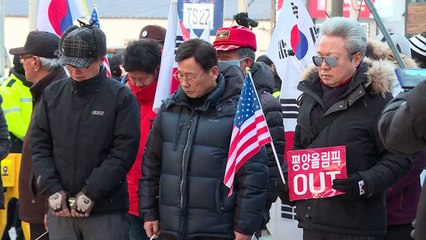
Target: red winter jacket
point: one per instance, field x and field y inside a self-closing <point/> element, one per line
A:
<point x="145" y="96"/>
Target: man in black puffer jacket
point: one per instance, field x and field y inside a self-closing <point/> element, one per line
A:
<point x="181" y="193"/>
<point x="236" y="46"/>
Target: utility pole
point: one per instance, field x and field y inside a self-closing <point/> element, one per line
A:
<point x="354" y="9"/>
<point x="334" y="8"/>
<point x="32" y="14"/>
<point x="2" y="47"/>
<point x="273" y="15"/>
<point x="242" y="6"/>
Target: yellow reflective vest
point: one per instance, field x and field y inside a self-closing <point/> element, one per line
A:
<point x="17" y="105"/>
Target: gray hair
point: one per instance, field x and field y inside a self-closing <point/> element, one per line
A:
<point x="352" y="32"/>
<point x="50" y="63"/>
<point x="246" y="52"/>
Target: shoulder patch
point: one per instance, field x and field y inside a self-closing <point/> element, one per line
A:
<point x="11" y="83"/>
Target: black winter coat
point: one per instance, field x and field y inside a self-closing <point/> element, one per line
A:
<point x="263" y="80"/>
<point x="355" y="126"/>
<point x="403" y="130"/>
<point x="184" y="164"/>
<point x="85" y="136"/>
<point x="32" y="205"/>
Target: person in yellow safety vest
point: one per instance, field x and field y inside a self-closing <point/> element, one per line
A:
<point x="17" y="108"/>
<point x="17" y="104"/>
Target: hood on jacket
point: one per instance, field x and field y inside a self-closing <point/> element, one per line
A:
<point x="379" y="50"/>
<point x="380" y="75"/>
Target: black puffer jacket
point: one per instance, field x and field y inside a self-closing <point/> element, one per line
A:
<point x="263" y="80"/>
<point x="356" y="127"/>
<point x="184" y="165"/>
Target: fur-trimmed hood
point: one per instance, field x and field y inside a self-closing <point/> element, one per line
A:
<point x="380" y="50"/>
<point x="380" y="75"/>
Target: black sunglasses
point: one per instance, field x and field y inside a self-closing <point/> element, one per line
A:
<point x="330" y="61"/>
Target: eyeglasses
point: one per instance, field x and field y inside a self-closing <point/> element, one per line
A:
<point x="180" y="77"/>
<point x="24" y="56"/>
<point x="330" y="61"/>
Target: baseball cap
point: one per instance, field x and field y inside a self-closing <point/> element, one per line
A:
<point x="418" y="44"/>
<point x="39" y="43"/>
<point x="231" y="38"/>
<point x="81" y="46"/>
<point x="153" y="32"/>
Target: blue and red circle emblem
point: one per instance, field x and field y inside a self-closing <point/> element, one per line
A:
<point x="299" y="42"/>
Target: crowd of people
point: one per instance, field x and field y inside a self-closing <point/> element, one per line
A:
<point x="99" y="163"/>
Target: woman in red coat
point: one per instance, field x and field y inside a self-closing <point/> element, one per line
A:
<point x="142" y="62"/>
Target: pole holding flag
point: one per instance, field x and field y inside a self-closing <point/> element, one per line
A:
<point x="94" y="20"/>
<point x="249" y="133"/>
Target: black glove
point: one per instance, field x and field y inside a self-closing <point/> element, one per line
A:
<point x="283" y="192"/>
<point x="353" y="186"/>
<point x="58" y="201"/>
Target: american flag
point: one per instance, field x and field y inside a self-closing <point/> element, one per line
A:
<point x="250" y="132"/>
<point x="94" y="19"/>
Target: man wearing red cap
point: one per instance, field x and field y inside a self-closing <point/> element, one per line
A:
<point x="236" y="45"/>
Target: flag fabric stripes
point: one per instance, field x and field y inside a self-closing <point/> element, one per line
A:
<point x="174" y="37"/>
<point x="94" y="19"/>
<point x="249" y="133"/>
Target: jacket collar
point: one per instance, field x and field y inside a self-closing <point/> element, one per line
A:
<point x="37" y="88"/>
<point x="89" y="85"/>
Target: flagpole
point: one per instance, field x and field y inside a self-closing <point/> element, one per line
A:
<point x="272" y="142"/>
<point x="388" y="38"/>
<point x="277" y="161"/>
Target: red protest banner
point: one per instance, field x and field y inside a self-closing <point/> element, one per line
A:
<point x="311" y="171"/>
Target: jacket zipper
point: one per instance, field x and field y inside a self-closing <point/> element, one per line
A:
<point x="183" y="164"/>
<point x="177" y="136"/>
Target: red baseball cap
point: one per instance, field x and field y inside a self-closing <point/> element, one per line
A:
<point x="231" y="38"/>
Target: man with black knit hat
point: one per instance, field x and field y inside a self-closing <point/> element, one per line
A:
<point x="84" y="141"/>
<point x="418" y="49"/>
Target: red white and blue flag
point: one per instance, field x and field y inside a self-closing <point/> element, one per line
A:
<point x="94" y="19"/>
<point x="294" y="31"/>
<point x="250" y="132"/>
<point x="57" y="15"/>
<point x="291" y="49"/>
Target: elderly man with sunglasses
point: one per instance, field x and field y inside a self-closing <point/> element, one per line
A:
<point x="341" y="104"/>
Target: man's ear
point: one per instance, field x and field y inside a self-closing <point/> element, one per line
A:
<point x="36" y="63"/>
<point x="215" y="71"/>
<point x="356" y="59"/>
<point x="248" y="61"/>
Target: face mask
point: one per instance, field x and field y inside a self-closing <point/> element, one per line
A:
<point x="223" y="64"/>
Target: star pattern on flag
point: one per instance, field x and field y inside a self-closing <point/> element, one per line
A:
<point x="94" y="18"/>
<point x="249" y="104"/>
